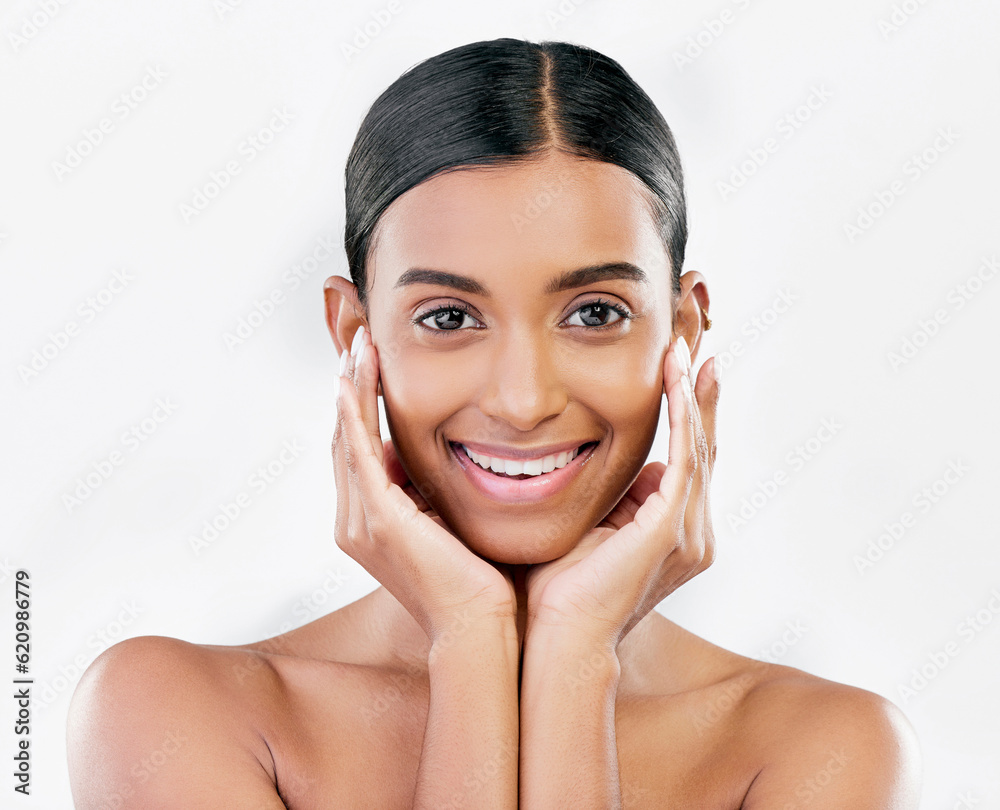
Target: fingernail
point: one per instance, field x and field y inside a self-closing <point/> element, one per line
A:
<point x="361" y="354"/>
<point x="685" y="353"/>
<point x="716" y="370"/>
<point x="343" y="362"/>
<point x="357" y="341"/>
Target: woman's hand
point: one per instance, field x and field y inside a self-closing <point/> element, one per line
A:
<point x="657" y="537"/>
<point x="386" y="525"/>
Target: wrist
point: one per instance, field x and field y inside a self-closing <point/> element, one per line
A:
<point x="474" y="634"/>
<point x="580" y="656"/>
<point x="551" y="630"/>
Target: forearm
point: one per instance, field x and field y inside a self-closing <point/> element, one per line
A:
<point x="469" y="756"/>
<point x="568" y="751"/>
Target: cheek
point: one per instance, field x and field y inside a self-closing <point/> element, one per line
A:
<point x="422" y="388"/>
<point x="418" y="397"/>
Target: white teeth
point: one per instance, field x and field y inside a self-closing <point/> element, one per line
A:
<point x="534" y="466"/>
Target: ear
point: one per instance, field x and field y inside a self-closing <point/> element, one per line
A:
<point x="689" y="320"/>
<point x="344" y="313"/>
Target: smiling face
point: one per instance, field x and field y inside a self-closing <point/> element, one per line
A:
<point x="543" y="327"/>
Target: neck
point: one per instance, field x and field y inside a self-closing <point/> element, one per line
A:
<point x="399" y="641"/>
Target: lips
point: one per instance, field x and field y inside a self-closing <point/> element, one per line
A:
<point x="522" y="488"/>
<point x="509" y="464"/>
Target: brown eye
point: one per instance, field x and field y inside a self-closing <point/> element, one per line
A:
<point x="445" y="319"/>
<point x="596" y="314"/>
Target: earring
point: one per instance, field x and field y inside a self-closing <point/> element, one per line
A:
<point x="708" y="321"/>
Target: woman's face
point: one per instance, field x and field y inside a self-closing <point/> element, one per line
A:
<point x="543" y="327"/>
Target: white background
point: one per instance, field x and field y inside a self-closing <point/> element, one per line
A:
<point x="119" y="562"/>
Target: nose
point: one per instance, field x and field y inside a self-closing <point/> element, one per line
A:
<point x="523" y="386"/>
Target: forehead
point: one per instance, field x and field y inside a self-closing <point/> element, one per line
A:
<point x="517" y="224"/>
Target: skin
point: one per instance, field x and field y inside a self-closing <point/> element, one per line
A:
<point x="511" y="656"/>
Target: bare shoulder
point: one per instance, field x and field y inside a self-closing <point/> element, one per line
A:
<point x="159" y="722"/>
<point x="828" y="744"/>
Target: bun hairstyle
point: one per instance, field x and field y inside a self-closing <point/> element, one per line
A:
<point x="502" y="101"/>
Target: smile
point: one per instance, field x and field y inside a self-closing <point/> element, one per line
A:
<point x="523" y="480"/>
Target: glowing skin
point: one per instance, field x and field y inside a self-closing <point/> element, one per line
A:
<point x="526" y="368"/>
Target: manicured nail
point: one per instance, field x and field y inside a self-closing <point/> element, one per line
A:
<point x="685" y="353"/>
<point x="343" y="362"/>
<point x="361" y="354"/>
<point x="716" y="370"/>
<point x="357" y="341"/>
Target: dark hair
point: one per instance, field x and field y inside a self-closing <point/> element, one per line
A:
<point x="501" y="101"/>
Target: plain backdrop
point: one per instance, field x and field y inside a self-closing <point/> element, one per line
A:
<point x="842" y="180"/>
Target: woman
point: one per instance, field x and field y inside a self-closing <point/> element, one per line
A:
<point x="515" y="231"/>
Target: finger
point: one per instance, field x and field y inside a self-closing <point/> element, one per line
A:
<point x="372" y="492"/>
<point x="365" y="372"/>
<point x="696" y="505"/>
<point x="697" y="538"/>
<point x="669" y="502"/>
<point x="682" y="454"/>
<point x="645" y="484"/>
<point x="709" y="403"/>
<point x="341" y="481"/>
<point x="354" y="453"/>
<point x="707" y="394"/>
<point x="650" y="478"/>
<point x="673" y="367"/>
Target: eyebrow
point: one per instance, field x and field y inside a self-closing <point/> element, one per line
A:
<point x="567" y="281"/>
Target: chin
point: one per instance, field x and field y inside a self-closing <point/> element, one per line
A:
<point x="528" y="545"/>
